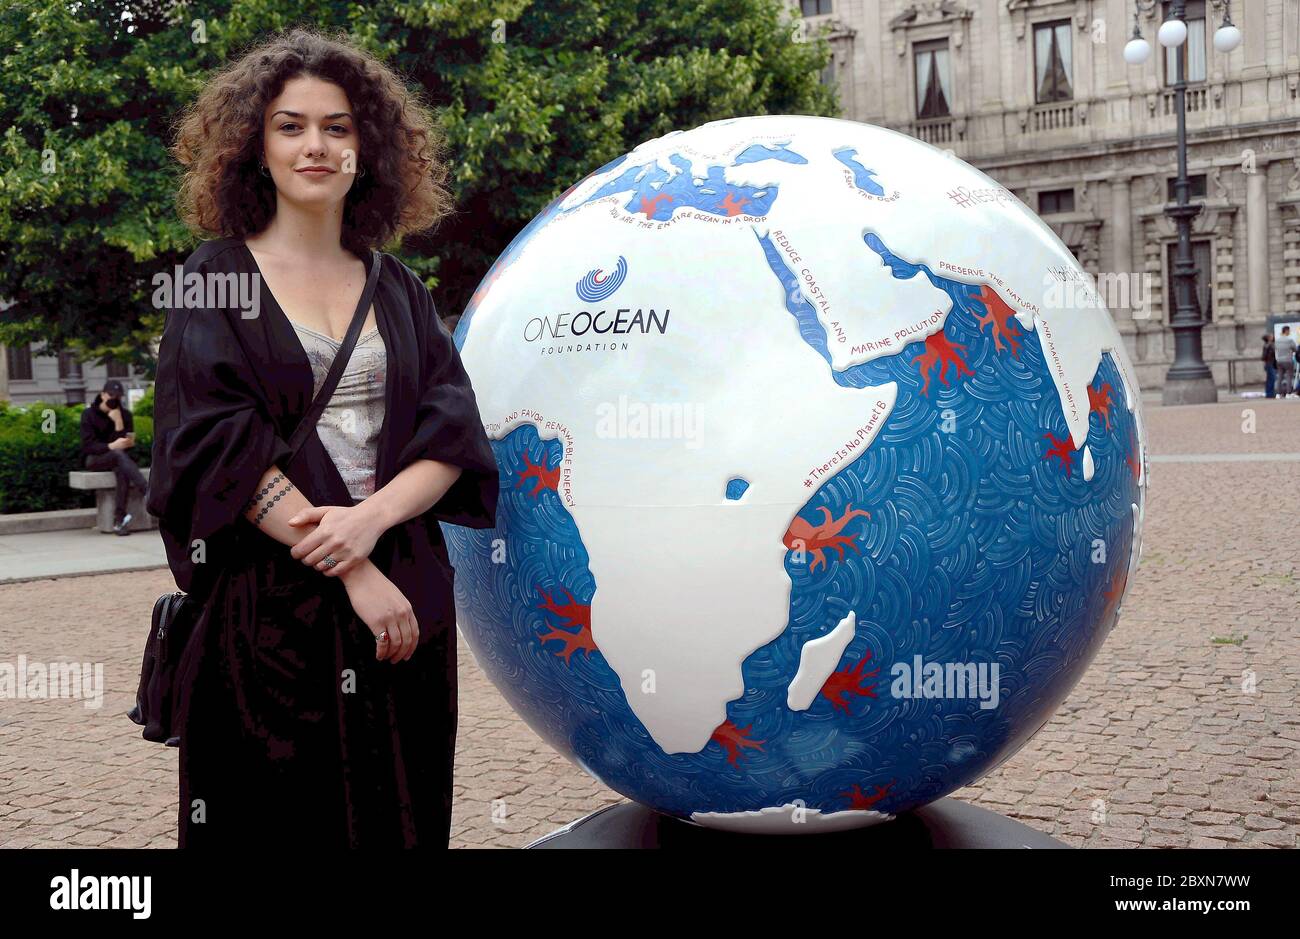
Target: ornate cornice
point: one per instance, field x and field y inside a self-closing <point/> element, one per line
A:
<point x="926" y="12"/>
<point x="931" y="13"/>
<point x="1020" y="10"/>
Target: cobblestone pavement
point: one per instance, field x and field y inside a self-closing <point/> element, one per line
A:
<point x="1158" y="746"/>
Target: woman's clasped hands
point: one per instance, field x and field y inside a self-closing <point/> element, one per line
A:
<point x="345" y="533"/>
<point x="348" y="535"/>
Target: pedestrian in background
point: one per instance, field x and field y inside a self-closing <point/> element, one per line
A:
<point x="1284" y="352"/>
<point x="107" y="433"/>
<point x="1269" y="358"/>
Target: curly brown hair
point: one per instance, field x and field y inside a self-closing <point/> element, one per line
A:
<point x="219" y="142"/>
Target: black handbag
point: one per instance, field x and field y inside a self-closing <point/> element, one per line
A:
<point x="169" y="633"/>
<point x="175" y="613"/>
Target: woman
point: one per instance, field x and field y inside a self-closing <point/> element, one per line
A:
<point x="319" y="688"/>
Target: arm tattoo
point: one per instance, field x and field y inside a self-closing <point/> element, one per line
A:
<point x="266" y="508"/>
<point x="248" y="506"/>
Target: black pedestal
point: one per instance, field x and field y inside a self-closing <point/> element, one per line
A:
<point x="948" y="823"/>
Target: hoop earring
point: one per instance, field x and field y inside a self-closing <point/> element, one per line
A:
<point x="261" y="168"/>
<point x="362" y="173"/>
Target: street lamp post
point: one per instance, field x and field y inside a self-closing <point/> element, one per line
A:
<point x="1188" y="380"/>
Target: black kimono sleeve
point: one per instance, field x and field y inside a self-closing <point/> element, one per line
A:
<point x="448" y="426"/>
<point x="213" y="438"/>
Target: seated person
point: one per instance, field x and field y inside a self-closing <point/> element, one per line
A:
<point x="107" y="432"/>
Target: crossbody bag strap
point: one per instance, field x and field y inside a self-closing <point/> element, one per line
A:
<point x="341" y="358"/>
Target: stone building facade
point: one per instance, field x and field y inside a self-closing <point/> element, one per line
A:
<point x="30" y="374"/>
<point x="1037" y="94"/>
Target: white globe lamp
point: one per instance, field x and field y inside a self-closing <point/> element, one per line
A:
<point x="1137" y="51"/>
<point x="1227" y="37"/>
<point x="1172" y="33"/>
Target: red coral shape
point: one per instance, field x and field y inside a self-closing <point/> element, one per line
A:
<point x="942" y="351"/>
<point x="1063" y="450"/>
<point x="850" y="681"/>
<point x="860" y="800"/>
<point x="731" y="206"/>
<point x="1132" y="458"/>
<point x="816" y="538"/>
<point x="573" y="614"/>
<point x="546" y="478"/>
<point x="1113" y="595"/>
<point x="651" y="206"/>
<point x="1002" y="318"/>
<point x="733" y="738"/>
<point x="1099" y="402"/>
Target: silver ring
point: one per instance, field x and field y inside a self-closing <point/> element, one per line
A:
<point x="383" y="636"/>
<point x="329" y="561"/>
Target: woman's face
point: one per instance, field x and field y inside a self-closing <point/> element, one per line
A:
<point x="310" y="125"/>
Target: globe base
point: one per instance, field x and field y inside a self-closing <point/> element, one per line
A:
<point x="948" y="823"/>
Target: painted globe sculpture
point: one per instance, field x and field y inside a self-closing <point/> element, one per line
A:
<point x="822" y="474"/>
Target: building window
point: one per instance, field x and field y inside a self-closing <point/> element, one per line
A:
<point x="1192" y="51"/>
<point x="1195" y="188"/>
<point x="815" y="7"/>
<point x="117" y="368"/>
<point x="20" y="362"/>
<point x="933" y="83"/>
<point x="67" y="361"/>
<point x="1202" y="292"/>
<point x="1052" y="62"/>
<point x="1055" y="201"/>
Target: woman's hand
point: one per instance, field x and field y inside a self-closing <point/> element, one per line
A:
<point x="345" y="533"/>
<point x="382" y="607"/>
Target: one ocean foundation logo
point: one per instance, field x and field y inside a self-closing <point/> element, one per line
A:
<point x="594" y="287"/>
<point x="597" y="285"/>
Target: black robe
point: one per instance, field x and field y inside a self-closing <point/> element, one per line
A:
<point x="291" y="732"/>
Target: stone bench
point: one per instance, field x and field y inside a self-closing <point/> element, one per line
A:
<point x="104" y="484"/>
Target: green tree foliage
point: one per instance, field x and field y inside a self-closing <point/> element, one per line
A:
<point x="532" y="95"/>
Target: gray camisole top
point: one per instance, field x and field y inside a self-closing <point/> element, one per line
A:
<point x="350" y="423"/>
